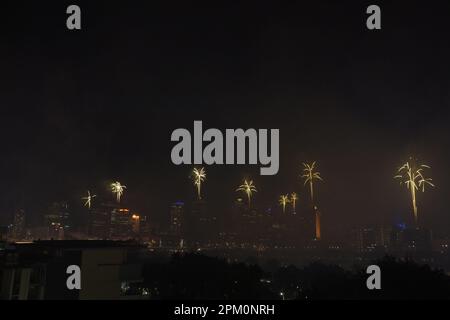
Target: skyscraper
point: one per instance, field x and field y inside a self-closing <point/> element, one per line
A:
<point x="135" y="224"/>
<point x="18" y="230"/>
<point x="202" y="224"/>
<point x="100" y="219"/>
<point x="121" y="224"/>
<point x="177" y="218"/>
<point x="57" y="220"/>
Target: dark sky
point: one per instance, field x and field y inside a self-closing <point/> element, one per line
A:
<point x="82" y="108"/>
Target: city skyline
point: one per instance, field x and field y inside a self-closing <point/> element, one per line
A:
<point x="195" y="152"/>
<point x="308" y="174"/>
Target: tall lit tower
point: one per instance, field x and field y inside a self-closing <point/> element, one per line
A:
<point x="317" y="223"/>
<point x="310" y="175"/>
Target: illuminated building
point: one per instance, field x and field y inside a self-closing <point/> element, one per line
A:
<point x="100" y="219"/>
<point x="416" y="239"/>
<point x="110" y="220"/>
<point x="248" y="226"/>
<point x="57" y="220"/>
<point x="144" y="228"/>
<point x="372" y="237"/>
<point x="202" y="224"/>
<point x="135" y="223"/>
<point x="18" y="228"/>
<point x="368" y="238"/>
<point x="177" y="218"/>
<point x="121" y="224"/>
<point x="235" y="219"/>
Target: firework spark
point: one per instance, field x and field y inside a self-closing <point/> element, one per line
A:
<point x="117" y="188"/>
<point x="88" y="199"/>
<point x="411" y="174"/>
<point x="310" y="175"/>
<point x="199" y="175"/>
<point x="294" y="198"/>
<point x="248" y="188"/>
<point x="284" y="200"/>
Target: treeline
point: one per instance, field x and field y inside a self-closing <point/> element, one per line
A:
<point x="196" y="276"/>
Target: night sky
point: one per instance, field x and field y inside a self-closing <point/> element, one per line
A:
<point x="80" y="109"/>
